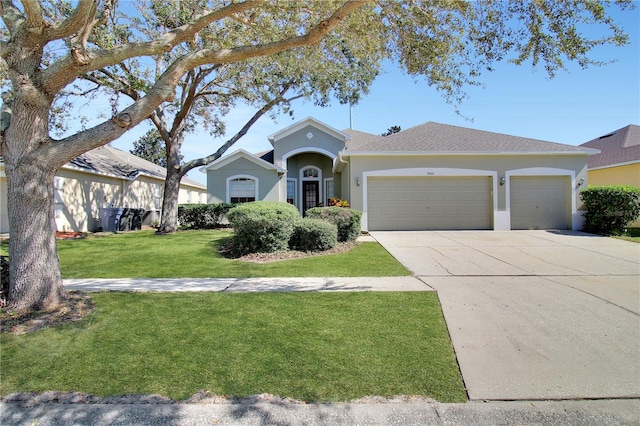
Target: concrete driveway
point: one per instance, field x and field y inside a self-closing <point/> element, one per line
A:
<point x="534" y="314"/>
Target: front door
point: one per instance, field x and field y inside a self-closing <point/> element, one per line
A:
<point x="310" y="195"/>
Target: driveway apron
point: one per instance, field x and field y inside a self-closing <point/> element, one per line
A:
<point x="534" y="314"/>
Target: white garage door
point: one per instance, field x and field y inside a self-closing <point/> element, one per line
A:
<point x="540" y="202"/>
<point x="414" y="203"/>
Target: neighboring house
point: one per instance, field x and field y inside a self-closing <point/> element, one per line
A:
<point x="106" y="177"/>
<point x="619" y="160"/>
<point x="432" y="176"/>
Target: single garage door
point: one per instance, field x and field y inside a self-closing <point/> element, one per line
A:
<point x="540" y="202"/>
<point x="415" y="203"/>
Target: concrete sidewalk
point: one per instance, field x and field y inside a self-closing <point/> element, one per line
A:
<point x="256" y="411"/>
<point x="246" y="285"/>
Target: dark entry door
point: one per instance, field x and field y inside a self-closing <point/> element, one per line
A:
<point x="310" y="195"/>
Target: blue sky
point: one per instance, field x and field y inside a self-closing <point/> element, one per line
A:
<point x="576" y="106"/>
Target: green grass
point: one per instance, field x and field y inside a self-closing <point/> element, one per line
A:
<point x="194" y="254"/>
<point x="630" y="234"/>
<point x="307" y="346"/>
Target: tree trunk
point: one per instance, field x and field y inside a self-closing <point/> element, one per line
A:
<point x="169" y="218"/>
<point x="36" y="282"/>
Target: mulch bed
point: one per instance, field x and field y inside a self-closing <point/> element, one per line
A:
<point x="77" y="306"/>
<point x="67" y="235"/>
<point x="227" y="251"/>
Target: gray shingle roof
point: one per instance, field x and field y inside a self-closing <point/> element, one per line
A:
<point x="107" y="160"/>
<point x="619" y="147"/>
<point x="446" y="139"/>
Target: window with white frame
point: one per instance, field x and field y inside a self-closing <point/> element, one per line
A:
<point x="310" y="172"/>
<point x="291" y="191"/>
<point x="157" y="196"/>
<point x="328" y="190"/>
<point x="242" y="190"/>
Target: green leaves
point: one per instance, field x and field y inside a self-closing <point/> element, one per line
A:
<point x="610" y="208"/>
<point x="151" y="147"/>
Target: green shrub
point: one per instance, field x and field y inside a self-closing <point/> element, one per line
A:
<point x="313" y="235"/>
<point x="347" y="220"/>
<point x="262" y="226"/>
<point x="610" y="208"/>
<point x="202" y="216"/>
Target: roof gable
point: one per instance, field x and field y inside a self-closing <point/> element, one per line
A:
<point x="616" y="148"/>
<point x="309" y="121"/>
<point x="241" y="153"/>
<point x="442" y="139"/>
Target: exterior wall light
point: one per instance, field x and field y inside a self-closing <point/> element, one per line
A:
<point x="502" y="181"/>
<point x="358" y="181"/>
<point x="580" y="182"/>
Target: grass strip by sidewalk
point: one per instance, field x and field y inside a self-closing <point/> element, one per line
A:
<point x="307" y="346"/>
<point x="194" y="254"/>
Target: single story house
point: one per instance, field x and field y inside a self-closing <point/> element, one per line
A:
<point x="432" y="176"/>
<point x="106" y="177"/>
<point x="618" y="162"/>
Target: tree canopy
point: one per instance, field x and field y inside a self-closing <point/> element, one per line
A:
<point x="391" y="130"/>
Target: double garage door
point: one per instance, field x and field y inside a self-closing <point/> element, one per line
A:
<point x="413" y="203"/>
<point x="440" y="203"/>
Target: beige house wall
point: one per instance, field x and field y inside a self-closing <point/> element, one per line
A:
<point x="79" y="196"/>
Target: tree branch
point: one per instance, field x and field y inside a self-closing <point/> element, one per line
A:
<point x="164" y="88"/>
<point x="11" y="15"/>
<point x="190" y="97"/>
<point x="80" y="19"/>
<point x="60" y="152"/>
<point x="33" y="10"/>
<point x="157" y="118"/>
<point x="190" y="165"/>
<point x="67" y="68"/>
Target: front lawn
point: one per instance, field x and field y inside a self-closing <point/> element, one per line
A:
<point x="307" y="346"/>
<point x="194" y="254"/>
<point x="630" y="234"/>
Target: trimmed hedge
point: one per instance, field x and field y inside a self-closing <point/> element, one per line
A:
<point x="202" y="216"/>
<point x="313" y="235"/>
<point x="262" y="226"/>
<point x="347" y="220"/>
<point x="610" y="208"/>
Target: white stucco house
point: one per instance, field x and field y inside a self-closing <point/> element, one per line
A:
<point x="432" y="176"/>
<point x="106" y="177"/>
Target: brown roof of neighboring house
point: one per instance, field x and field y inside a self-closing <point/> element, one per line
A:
<point x="619" y="147"/>
<point x="107" y="160"/>
<point x="439" y="138"/>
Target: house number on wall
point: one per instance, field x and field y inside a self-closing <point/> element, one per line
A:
<point x="431" y="173"/>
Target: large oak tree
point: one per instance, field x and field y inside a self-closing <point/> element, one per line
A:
<point x="49" y="45"/>
<point x="339" y="67"/>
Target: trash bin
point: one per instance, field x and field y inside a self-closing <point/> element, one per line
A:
<point x="136" y="219"/>
<point x="125" y="220"/>
<point x="110" y="219"/>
